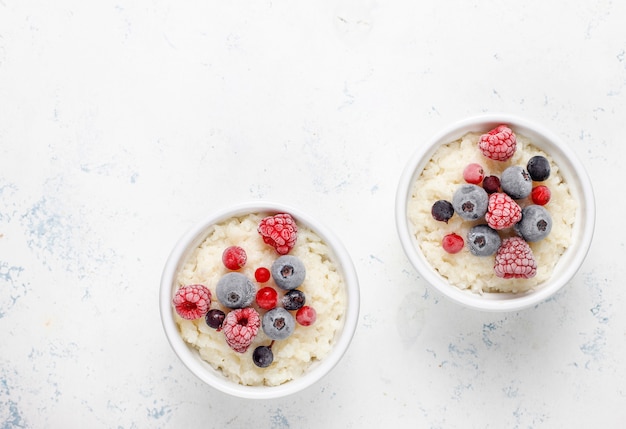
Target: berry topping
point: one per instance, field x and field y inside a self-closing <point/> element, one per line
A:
<point x="498" y="144"/>
<point x="442" y="210"/>
<point x="502" y="212"/>
<point x="279" y="231"/>
<point x="491" y="184"/>
<point x="278" y="323"/>
<point x="192" y="302"/>
<point x="293" y="300"/>
<point x="483" y="240"/>
<point x="473" y="173"/>
<point x="262" y="356"/>
<point x="452" y="243"/>
<point x="235" y="290"/>
<point x="262" y="274"/>
<point x="536" y="223"/>
<point x="539" y="168"/>
<point x="288" y="272"/>
<point x="215" y="318"/>
<point x="470" y="202"/>
<point x="234" y="257"/>
<point x="541" y="195"/>
<point x="306" y="316"/>
<point x="515" y="259"/>
<point x="516" y="182"/>
<point x="240" y="328"/>
<point x="267" y="298"/>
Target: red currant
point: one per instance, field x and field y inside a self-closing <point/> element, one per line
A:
<point x="267" y="298"/>
<point x="234" y="257"/>
<point x="474" y="173"/>
<point x="306" y="316"/>
<point x="452" y="243"/>
<point x="262" y="274"/>
<point x="540" y="195"/>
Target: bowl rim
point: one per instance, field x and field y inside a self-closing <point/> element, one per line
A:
<point x="586" y="214"/>
<point x="203" y="370"/>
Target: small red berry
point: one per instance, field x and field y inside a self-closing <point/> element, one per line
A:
<point x="491" y="184"/>
<point x="262" y="274"/>
<point x="473" y="173"/>
<point x="234" y="257"/>
<point x="267" y="298"/>
<point x="540" y="195"/>
<point x="452" y="243"/>
<point x="306" y="316"/>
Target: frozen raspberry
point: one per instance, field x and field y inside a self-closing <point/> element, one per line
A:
<point x="515" y="259"/>
<point x="473" y="173"/>
<point x="279" y="231"/>
<point x="502" y="211"/>
<point x="540" y="195"/>
<point x="498" y="144"/>
<point x="192" y="302"/>
<point x="240" y="328"/>
<point x="234" y="258"/>
<point x="452" y="243"/>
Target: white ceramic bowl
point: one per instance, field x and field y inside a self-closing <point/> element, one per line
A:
<point x="573" y="173"/>
<point x="189" y="355"/>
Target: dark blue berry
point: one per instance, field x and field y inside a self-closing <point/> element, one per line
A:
<point x="483" y="240"/>
<point x="278" y="323"/>
<point x="536" y="223"/>
<point x="516" y="182"/>
<point x="288" y="272"/>
<point x="491" y="184"/>
<point x="293" y="300"/>
<point x="442" y="210"/>
<point x="470" y="202"/>
<point x="235" y="290"/>
<point x="263" y="356"/>
<point x="214" y="318"/>
<point x="539" y="168"/>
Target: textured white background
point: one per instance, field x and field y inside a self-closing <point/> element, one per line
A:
<point x="121" y="123"/>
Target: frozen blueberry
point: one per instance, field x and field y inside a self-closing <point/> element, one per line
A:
<point x="516" y="182"/>
<point x="288" y="272"/>
<point x="293" y="300"/>
<point x="470" y="201"/>
<point x="536" y="223"/>
<point x="235" y="290"/>
<point x="483" y="240"/>
<point x="262" y="356"/>
<point x="539" y="168"/>
<point x="278" y="323"/>
<point x="442" y="210"/>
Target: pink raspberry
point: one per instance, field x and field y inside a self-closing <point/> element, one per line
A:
<point x="240" y="328"/>
<point x="515" y="259"/>
<point x="279" y="231"/>
<point x="192" y="302"/>
<point x="502" y="211"/>
<point x="498" y="144"/>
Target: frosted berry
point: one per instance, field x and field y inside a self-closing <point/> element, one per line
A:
<point x="515" y="259"/>
<point x="473" y="173"/>
<point x="288" y="272"/>
<point x="192" y="302"/>
<point x="536" y="223"/>
<point x="483" y="240"/>
<point x="293" y="300"/>
<point x="235" y="290"/>
<point x="306" y="316"/>
<point x="470" y="201"/>
<point x="442" y="210"/>
<point x="516" y="182"/>
<point x="240" y="327"/>
<point x="541" y="195"/>
<point x="234" y="257"/>
<point x="279" y="231"/>
<point x="452" y="243"/>
<point x="498" y="144"/>
<point x="278" y="323"/>
<point x="491" y="184"/>
<point x="502" y="211"/>
<point x="539" y="168"/>
<point x="267" y="298"/>
<point x="262" y="274"/>
<point x="263" y="356"/>
<point x="215" y="318"/>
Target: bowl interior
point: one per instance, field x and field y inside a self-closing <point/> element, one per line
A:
<point x="573" y="173"/>
<point x="191" y="357"/>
